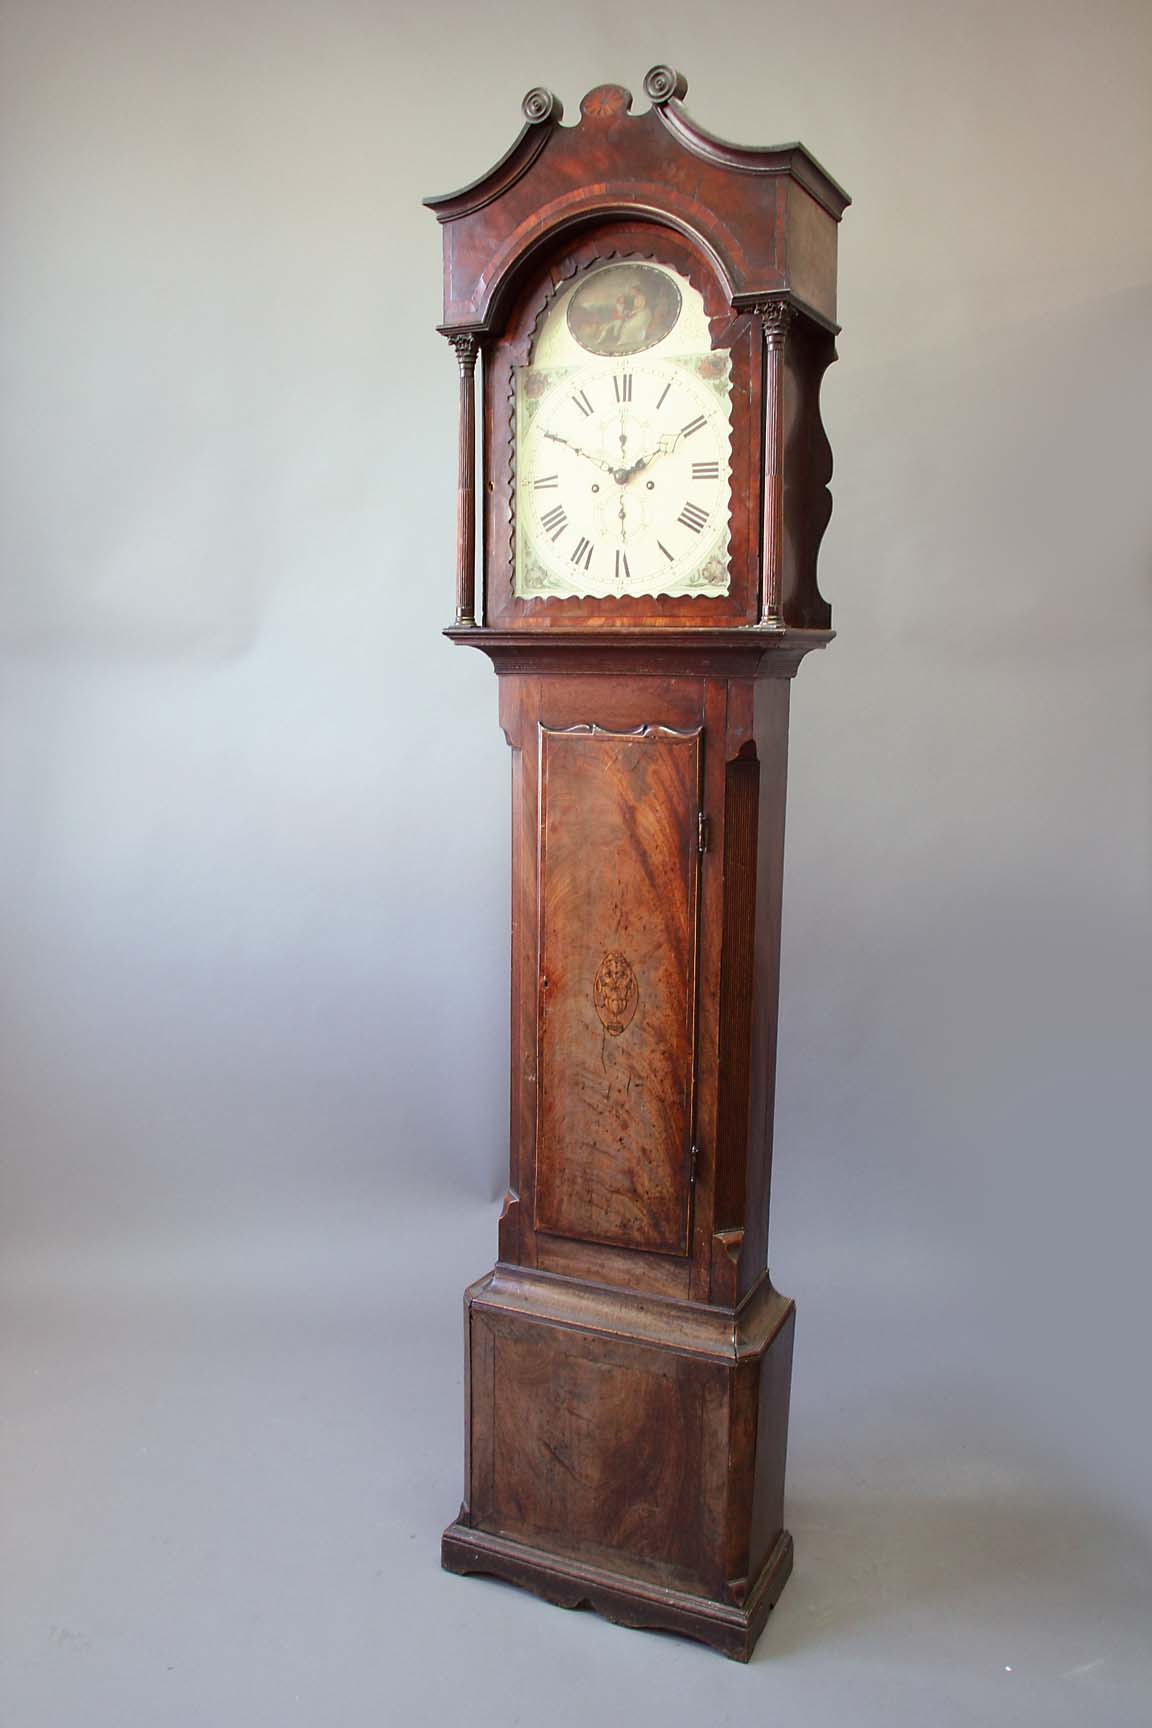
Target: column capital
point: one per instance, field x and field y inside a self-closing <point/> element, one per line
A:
<point x="467" y="346"/>
<point x="775" y="320"/>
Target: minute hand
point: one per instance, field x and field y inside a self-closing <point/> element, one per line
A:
<point x="608" y="467"/>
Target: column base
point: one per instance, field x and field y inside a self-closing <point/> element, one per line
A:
<point x="572" y="1583"/>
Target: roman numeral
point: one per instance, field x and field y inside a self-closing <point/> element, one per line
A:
<point x="664" y="393"/>
<point x="585" y="407"/>
<point x="546" y="480"/>
<point x="700" y="471"/>
<point x="693" y="517"/>
<point x="554" y="519"/>
<point x="665" y="550"/>
<point x="622" y="570"/>
<point x="583" y="553"/>
<point x="623" y="383"/>
<point x="692" y="426"/>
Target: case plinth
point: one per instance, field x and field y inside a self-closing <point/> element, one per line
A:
<point x="628" y="1452"/>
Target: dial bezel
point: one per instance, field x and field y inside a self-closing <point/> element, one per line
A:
<point x="733" y="333"/>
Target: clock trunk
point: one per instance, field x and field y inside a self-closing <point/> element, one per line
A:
<point x="628" y="1356"/>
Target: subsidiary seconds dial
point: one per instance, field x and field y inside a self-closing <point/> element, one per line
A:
<point x="622" y="478"/>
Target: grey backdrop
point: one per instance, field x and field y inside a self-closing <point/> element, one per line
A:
<point x="254" y="871"/>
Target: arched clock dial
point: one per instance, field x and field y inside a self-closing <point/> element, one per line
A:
<point x="623" y="459"/>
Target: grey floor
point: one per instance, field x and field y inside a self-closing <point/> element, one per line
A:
<point x="225" y="1470"/>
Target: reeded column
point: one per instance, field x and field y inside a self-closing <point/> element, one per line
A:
<point x="467" y="347"/>
<point x="775" y="319"/>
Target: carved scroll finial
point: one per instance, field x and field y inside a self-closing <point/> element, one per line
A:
<point x="540" y="105"/>
<point x="663" y="83"/>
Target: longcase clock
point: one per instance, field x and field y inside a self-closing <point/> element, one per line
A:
<point x="648" y="312"/>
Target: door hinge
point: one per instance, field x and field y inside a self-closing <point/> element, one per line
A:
<point x="693" y="1166"/>
<point x="703" y="832"/>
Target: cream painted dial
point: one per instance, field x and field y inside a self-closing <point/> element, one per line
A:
<point x="622" y="480"/>
<point x="623" y="444"/>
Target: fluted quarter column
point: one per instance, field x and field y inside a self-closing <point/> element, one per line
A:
<point x="467" y="347"/>
<point x="775" y="321"/>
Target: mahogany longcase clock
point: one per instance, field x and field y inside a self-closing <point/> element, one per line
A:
<point x="653" y="310"/>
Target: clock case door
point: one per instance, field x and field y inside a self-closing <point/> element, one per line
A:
<point x="737" y="332"/>
<point x="619" y="866"/>
<point x="641" y="1112"/>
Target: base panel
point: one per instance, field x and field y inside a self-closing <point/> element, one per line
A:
<point x="570" y="1583"/>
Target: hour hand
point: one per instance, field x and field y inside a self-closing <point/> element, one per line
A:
<point x="665" y="447"/>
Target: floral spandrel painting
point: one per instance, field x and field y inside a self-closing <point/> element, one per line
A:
<point x="623" y="309"/>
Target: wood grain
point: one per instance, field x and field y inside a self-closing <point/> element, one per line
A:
<point x="618" y="870"/>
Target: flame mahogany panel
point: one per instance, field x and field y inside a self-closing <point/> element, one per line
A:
<point x="619" y="862"/>
<point x="605" y="1450"/>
